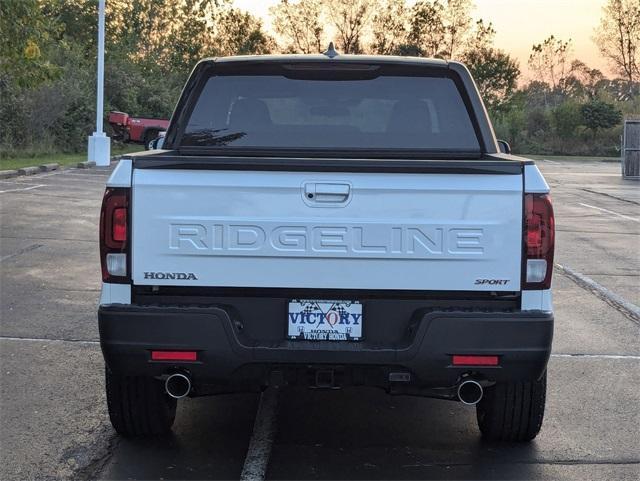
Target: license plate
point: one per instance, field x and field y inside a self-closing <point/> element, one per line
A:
<point x="311" y="320"/>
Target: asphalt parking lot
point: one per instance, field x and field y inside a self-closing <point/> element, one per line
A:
<point x="53" y="421"/>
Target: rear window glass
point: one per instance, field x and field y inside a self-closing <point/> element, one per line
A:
<point x="387" y="112"/>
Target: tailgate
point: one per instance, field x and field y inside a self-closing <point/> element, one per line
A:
<point x="438" y="232"/>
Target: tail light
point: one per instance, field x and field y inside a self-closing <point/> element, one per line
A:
<point x="539" y="237"/>
<point x="115" y="236"/>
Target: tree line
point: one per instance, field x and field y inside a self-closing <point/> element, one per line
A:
<point x="48" y="50"/>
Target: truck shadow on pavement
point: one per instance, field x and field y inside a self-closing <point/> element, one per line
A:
<point x="209" y="441"/>
<point x="355" y="433"/>
<point x="364" y="433"/>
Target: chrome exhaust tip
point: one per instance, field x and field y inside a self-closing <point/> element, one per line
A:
<point x="470" y="392"/>
<point x="177" y="385"/>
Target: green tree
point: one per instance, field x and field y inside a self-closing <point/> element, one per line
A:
<point x="567" y="118"/>
<point x="440" y="28"/>
<point x="240" y="33"/>
<point x="48" y="55"/>
<point x="538" y="122"/>
<point x="509" y="122"/>
<point x="599" y="115"/>
<point x="583" y="81"/>
<point x="495" y="73"/>
<point x="26" y="42"/>
<point x="299" y="26"/>
<point x="76" y="19"/>
<point x="427" y="30"/>
<point x="482" y="38"/>
<point x="389" y="25"/>
<point x="25" y="36"/>
<point x="350" y="18"/>
<point x="173" y="34"/>
<point x="164" y="33"/>
<point x="536" y="94"/>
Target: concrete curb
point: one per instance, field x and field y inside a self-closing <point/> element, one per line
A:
<point x="28" y="170"/>
<point x="48" y="167"/>
<point x="621" y="304"/>
<point x="86" y="165"/>
<point x="38" y="169"/>
<point x="7" y="174"/>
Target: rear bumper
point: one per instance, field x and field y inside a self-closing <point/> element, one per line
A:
<point x="229" y="360"/>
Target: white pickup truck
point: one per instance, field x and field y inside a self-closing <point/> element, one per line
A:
<point x="328" y="221"/>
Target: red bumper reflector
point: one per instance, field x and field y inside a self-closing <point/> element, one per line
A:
<point x="174" y="355"/>
<point x="475" y="360"/>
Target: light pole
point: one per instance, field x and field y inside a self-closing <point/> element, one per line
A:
<point x="99" y="145"/>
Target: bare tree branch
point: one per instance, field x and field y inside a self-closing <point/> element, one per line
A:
<point x="618" y="37"/>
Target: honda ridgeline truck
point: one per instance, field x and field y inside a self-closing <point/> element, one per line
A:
<point x="327" y="220"/>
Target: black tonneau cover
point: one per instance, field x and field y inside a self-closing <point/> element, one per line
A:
<point x="487" y="164"/>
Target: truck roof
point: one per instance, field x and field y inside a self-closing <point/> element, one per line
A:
<point x="289" y="58"/>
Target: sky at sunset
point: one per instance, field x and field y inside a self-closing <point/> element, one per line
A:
<point x="520" y="24"/>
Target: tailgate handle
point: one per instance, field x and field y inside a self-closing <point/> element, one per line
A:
<point x="322" y="192"/>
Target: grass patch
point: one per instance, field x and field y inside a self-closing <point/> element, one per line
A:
<point x="574" y="158"/>
<point x="18" y="162"/>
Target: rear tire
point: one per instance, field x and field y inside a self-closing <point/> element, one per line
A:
<point x="512" y="411"/>
<point x="138" y="406"/>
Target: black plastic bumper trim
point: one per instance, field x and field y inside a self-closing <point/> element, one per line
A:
<point x="128" y="334"/>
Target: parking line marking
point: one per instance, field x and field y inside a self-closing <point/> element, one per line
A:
<point x="599" y="356"/>
<point x="79" y="173"/>
<point x="628" y="308"/>
<point x="582" y="174"/>
<point x="26" y="188"/>
<point x="610" y="212"/>
<point x="63" y="175"/>
<point x="44" y="339"/>
<point x="68" y="172"/>
<point x="601" y="174"/>
<point x="24" y="250"/>
<point x="80" y="178"/>
<point x="4" y="236"/>
<point x="76" y="176"/>
<point x="264" y="427"/>
<point x="16" y="182"/>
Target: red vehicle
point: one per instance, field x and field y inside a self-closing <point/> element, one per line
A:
<point x="136" y="129"/>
